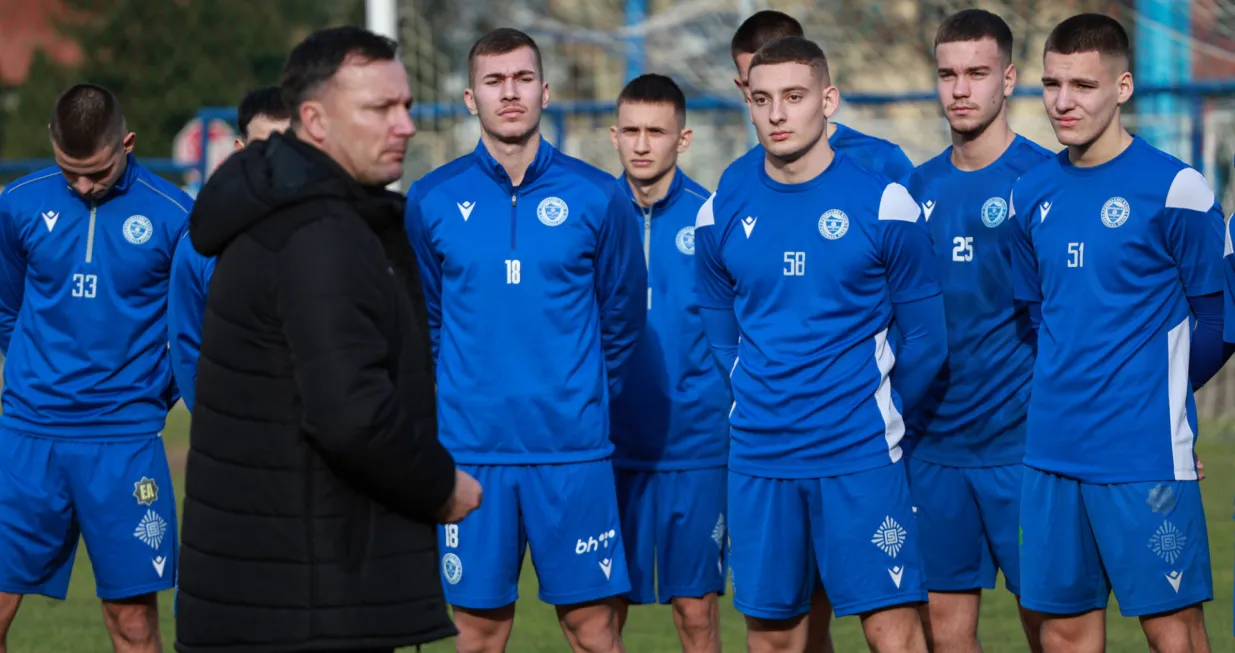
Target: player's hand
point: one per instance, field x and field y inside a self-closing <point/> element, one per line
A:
<point x="1200" y="469"/>
<point x="463" y="500"/>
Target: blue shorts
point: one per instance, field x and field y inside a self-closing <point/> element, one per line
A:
<point x="116" y="495"/>
<point x="673" y="524"/>
<point x="1146" y="541"/>
<point x="567" y="514"/>
<point x="854" y="533"/>
<point x="969" y="521"/>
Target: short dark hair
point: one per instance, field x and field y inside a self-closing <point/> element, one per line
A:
<point x="501" y="41"/>
<point x="316" y="59"/>
<point x="266" y="101"/>
<point x="652" y="88"/>
<point x="1090" y="33"/>
<point x="793" y="49"/>
<point x="760" y="28"/>
<point x="975" y="25"/>
<point x="85" y="119"/>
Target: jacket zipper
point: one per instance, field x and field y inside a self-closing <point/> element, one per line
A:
<point x="90" y="234"/>
<point x="647" y="249"/>
<point x="514" y="200"/>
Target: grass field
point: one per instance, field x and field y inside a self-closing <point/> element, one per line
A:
<point x="76" y="625"/>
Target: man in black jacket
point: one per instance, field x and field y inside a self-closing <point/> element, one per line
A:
<point x="315" y="474"/>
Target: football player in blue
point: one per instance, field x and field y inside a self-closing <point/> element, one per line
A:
<point x="536" y="286"/>
<point x="1119" y="255"/>
<point x="261" y="113"/>
<point x="965" y="465"/>
<point x="670" y="423"/>
<point x="874" y="154"/>
<point x="85" y="250"/>
<point x="802" y="267"/>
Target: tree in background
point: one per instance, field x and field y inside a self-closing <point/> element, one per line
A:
<point x="165" y="60"/>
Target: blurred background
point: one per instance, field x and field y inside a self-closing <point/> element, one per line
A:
<point x="180" y="66"/>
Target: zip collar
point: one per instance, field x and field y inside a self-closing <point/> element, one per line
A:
<point x="671" y="196"/>
<point x="539" y="165"/>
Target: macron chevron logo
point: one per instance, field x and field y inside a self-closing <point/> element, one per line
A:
<point x="465" y="209"/>
<point x="1044" y="209"/>
<point x="928" y="207"/>
<point x="748" y="223"/>
<point x="50" y="218"/>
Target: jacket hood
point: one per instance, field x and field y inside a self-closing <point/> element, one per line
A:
<point x="264" y="178"/>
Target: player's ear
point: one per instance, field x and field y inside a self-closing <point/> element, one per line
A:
<point x="1125" y="86"/>
<point x="544" y="96"/>
<point x="238" y="145"/>
<point x="469" y="99"/>
<point x="1009" y="80"/>
<point x="684" y="139"/>
<point x="831" y="100"/>
<point x="130" y="139"/>
<point x="613" y="134"/>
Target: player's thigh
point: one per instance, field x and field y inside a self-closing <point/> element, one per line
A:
<point x="638" y="504"/>
<point x="997" y="491"/>
<point x="774" y="570"/>
<point x="691" y="534"/>
<point x="38" y="541"/>
<point x="1154" y="544"/>
<point x="866" y="540"/>
<point x="127" y="509"/>
<point x="952" y="545"/>
<point x="1061" y="571"/>
<point x="570" y="514"/>
<point x="482" y="555"/>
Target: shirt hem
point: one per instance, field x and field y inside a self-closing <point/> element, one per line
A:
<point x="547" y="458"/>
<point x="82" y="432"/>
<point x="668" y="466"/>
<point x="1089" y="477"/>
<point x="769" y="471"/>
<point x="943" y="461"/>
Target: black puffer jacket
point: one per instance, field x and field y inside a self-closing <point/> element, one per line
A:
<point x="314" y="472"/>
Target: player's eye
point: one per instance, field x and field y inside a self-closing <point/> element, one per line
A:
<point x="795" y="97"/>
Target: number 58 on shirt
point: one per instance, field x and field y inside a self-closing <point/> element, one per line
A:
<point x="795" y="264"/>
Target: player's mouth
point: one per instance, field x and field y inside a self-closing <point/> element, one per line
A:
<point x="963" y="111"/>
<point x="779" y="136"/>
<point x="511" y="112"/>
<point x="641" y="163"/>
<point x="1067" y="121"/>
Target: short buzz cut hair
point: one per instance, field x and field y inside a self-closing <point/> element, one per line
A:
<point x="266" y="101"/>
<point x="501" y="41"/>
<point x="793" y="49"/>
<point x="761" y="28"/>
<point x="316" y="59"/>
<point x="976" y="25"/>
<point x="652" y="88"/>
<point x="85" y="119"/>
<point x="1090" y="33"/>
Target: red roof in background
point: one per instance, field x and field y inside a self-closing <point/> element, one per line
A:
<point x="27" y="26"/>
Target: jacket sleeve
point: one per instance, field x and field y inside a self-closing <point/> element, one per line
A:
<point x="330" y="296"/>
<point x="186" y="309"/>
<point x="427" y="263"/>
<point x="621" y="286"/>
<point x="12" y="273"/>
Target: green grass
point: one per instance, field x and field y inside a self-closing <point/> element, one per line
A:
<point x="76" y="625"/>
